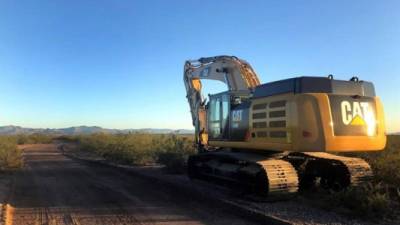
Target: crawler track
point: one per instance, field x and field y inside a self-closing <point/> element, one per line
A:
<point x="278" y="176"/>
<point x="266" y="175"/>
<point x="281" y="177"/>
<point x="351" y="171"/>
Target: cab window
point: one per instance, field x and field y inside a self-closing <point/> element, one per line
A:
<point x="218" y="122"/>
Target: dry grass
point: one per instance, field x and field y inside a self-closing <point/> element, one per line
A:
<point x="10" y="155"/>
<point x="140" y="148"/>
<point x="22" y="139"/>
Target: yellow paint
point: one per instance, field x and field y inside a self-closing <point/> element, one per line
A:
<point x="196" y="83"/>
<point x="357" y="121"/>
<point x="204" y="138"/>
<point x="8" y="214"/>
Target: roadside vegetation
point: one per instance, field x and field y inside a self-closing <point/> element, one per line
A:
<point x="170" y="150"/>
<point x="22" y="139"/>
<point x="10" y="155"/>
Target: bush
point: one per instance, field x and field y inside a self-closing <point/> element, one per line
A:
<point x="140" y="148"/>
<point x="386" y="164"/>
<point x="33" y="139"/>
<point x="10" y="155"/>
<point x="369" y="200"/>
<point x="175" y="153"/>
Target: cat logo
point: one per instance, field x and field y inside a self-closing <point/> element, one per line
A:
<point x="237" y="115"/>
<point x="357" y="113"/>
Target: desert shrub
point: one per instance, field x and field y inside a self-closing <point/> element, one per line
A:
<point x="66" y="138"/>
<point x="370" y="200"/>
<point x="386" y="164"/>
<point x="10" y="155"/>
<point x="175" y="152"/>
<point x="33" y="139"/>
<point x="138" y="148"/>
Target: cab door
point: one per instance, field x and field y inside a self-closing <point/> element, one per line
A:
<point x="218" y="117"/>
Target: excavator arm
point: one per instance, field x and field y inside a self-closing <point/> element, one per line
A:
<point x="237" y="74"/>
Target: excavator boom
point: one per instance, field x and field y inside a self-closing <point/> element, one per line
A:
<point x="237" y="74"/>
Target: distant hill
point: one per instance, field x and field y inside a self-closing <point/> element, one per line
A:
<point x="12" y="130"/>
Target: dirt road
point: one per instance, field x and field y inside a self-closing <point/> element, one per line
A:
<point x="55" y="189"/>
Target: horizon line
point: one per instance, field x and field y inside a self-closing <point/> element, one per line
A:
<point x="159" y="128"/>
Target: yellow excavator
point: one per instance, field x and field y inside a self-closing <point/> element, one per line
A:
<point x="276" y="138"/>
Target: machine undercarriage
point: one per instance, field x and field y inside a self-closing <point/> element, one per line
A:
<point x="279" y="175"/>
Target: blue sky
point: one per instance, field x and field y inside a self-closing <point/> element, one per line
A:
<point x="119" y="64"/>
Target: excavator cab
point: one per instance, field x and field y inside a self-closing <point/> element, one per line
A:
<point x="227" y="114"/>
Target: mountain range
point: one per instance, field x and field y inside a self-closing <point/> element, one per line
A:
<point x="12" y="130"/>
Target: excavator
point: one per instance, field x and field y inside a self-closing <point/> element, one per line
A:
<point x="281" y="137"/>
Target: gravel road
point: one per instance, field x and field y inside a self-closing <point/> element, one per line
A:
<point x="55" y="189"/>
